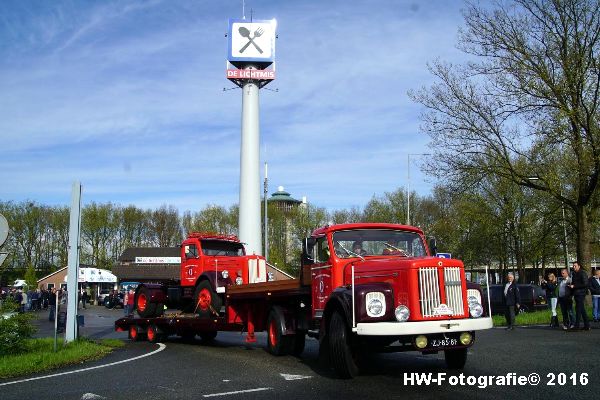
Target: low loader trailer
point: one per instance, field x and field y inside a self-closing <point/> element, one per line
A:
<point x="362" y="287"/>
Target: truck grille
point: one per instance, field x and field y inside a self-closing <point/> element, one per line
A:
<point x="430" y="294"/>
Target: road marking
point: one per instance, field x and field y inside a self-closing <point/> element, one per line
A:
<point x="161" y="347"/>
<point x="91" y="396"/>
<point x="236" y="392"/>
<point x="289" y="377"/>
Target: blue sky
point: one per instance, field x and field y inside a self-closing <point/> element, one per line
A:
<point x="127" y="97"/>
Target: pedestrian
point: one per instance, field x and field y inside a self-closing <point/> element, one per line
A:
<point x="579" y="285"/>
<point x="52" y="304"/>
<point x="84" y="298"/>
<point x="565" y="299"/>
<point x="126" y="302"/>
<point x="130" y="300"/>
<point x="550" y="286"/>
<point x="594" y="284"/>
<point x="24" y="301"/>
<point x="512" y="299"/>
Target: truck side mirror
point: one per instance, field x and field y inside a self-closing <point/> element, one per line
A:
<point x="432" y="246"/>
<point x="307" y="250"/>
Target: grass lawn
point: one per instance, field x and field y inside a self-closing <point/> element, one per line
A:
<point x="534" y="318"/>
<point x="40" y="355"/>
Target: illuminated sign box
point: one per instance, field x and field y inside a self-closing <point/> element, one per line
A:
<point x="251" y="41"/>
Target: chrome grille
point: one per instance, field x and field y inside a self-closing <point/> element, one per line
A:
<point x="429" y="290"/>
<point x="453" y="287"/>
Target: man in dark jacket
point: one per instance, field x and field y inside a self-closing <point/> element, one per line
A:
<point x="594" y="284"/>
<point x="579" y="285"/>
<point x="512" y="299"/>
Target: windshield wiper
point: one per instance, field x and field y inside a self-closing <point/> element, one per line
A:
<point x="402" y="252"/>
<point x="349" y="252"/>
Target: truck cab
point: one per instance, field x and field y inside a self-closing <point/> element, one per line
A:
<point x="378" y="286"/>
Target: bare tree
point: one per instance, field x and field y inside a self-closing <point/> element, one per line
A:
<point x="527" y="106"/>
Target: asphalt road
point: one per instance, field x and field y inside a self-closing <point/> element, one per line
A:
<point x="231" y="369"/>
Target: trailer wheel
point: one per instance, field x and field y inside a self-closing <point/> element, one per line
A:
<point x="455" y="359"/>
<point x="207" y="301"/>
<point x="208" y="336"/>
<point x="154" y="334"/>
<point x="135" y="333"/>
<point x="145" y="308"/>
<point x="278" y="344"/>
<point x="343" y="356"/>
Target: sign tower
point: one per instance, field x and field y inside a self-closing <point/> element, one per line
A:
<point x="251" y="66"/>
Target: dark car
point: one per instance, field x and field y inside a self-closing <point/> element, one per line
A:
<point x="114" y="300"/>
<point x="532" y="298"/>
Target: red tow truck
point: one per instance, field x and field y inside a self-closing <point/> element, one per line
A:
<point x="363" y="287"/>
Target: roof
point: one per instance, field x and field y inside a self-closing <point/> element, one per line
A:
<point x="282" y="195"/>
<point x="132" y="252"/>
<point x="364" y="225"/>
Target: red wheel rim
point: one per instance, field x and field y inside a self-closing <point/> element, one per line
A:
<point x="204" y="299"/>
<point x="273" y="333"/>
<point x="133" y="332"/>
<point x="142" y="301"/>
<point x="151" y="333"/>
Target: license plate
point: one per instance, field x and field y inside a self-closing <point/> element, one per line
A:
<point x="443" y="342"/>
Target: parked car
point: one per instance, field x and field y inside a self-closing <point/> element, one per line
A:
<point x="532" y="298"/>
<point x="114" y="300"/>
<point x="103" y="294"/>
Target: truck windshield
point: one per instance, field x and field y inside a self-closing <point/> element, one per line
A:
<point x="371" y="242"/>
<point x="221" y="248"/>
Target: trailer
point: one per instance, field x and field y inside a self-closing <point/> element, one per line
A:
<point x="363" y="287"/>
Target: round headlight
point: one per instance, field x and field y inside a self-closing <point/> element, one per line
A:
<point x="239" y="280"/>
<point x="375" y="304"/>
<point x="466" y="338"/>
<point x="472" y="299"/>
<point x="225" y="274"/>
<point x="476" y="310"/>
<point x="421" y="341"/>
<point x="402" y="313"/>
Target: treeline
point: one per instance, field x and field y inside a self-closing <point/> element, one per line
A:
<point x="496" y="223"/>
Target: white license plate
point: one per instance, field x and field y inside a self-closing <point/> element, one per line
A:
<point x="443" y="342"/>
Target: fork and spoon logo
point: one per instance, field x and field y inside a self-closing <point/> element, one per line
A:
<point x="246" y="33"/>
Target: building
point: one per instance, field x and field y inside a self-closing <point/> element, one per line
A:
<point x="96" y="279"/>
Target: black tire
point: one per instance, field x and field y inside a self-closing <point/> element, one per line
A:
<point x="278" y="344"/>
<point x="144" y="307"/>
<point x="208" y="336"/>
<point x="136" y="334"/>
<point x="299" y="343"/>
<point x="154" y="334"/>
<point x="456" y="358"/>
<point x="207" y="303"/>
<point x="343" y="356"/>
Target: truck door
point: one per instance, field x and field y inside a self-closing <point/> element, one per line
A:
<point x="190" y="268"/>
<point x="321" y="276"/>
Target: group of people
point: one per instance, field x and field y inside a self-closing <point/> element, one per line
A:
<point x="571" y="288"/>
<point x="28" y="300"/>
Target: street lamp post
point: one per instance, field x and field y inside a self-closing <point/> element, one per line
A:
<point x="408" y="184"/>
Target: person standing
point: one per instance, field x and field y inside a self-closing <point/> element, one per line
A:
<point x="512" y="299"/>
<point x="550" y="287"/>
<point x="130" y="300"/>
<point x="579" y="284"/>
<point x="52" y="304"/>
<point x="594" y="284"/>
<point x="565" y="299"/>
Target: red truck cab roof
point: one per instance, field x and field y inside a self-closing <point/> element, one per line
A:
<point x="364" y="225"/>
<point x="213" y="236"/>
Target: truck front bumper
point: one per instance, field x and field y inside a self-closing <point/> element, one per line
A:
<point x="422" y="327"/>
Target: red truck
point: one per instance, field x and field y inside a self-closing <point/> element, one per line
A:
<point x="363" y="287"/>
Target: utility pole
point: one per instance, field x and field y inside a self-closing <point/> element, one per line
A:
<point x="73" y="263"/>
<point x="265" y="194"/>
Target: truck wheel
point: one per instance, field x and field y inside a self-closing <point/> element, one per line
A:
<point x="207" y="302"/>
<point x="278" y="344"/>
<point x="135" y="333"/>
<point x="154" y="334"/>
<point x="343" y="356"/>
<point x="208" y="336"/>
<point x="145" y="308"/>
<point x="299" y="343"/>
<point x="455" y="359"/>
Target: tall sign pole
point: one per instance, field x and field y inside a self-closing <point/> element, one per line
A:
<point x="251" y="56"/>
<point x="73" y="263"/>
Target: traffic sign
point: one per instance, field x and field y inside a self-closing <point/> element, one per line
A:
<point x="444" y="255"/>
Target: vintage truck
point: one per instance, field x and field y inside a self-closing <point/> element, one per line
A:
<point x="363" y="287"/>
